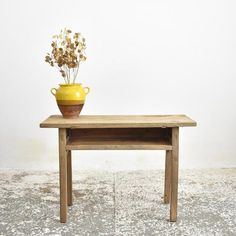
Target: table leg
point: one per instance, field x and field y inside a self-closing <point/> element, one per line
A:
<point x="69" y="178"/>
<point x="63" y="175"/>
<point x="174" y="174"/>
<point x="167" y="177"/>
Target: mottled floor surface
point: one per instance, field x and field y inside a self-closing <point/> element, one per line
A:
<point x="121" y="203"/>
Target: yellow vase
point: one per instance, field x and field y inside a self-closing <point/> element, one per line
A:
<point x="70" y="99"/>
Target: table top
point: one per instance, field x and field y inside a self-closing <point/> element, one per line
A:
<point x="118" y="121"/>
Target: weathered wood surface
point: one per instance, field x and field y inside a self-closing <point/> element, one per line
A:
<point x="117" y="144"/>
<point x="63" y="175"/>
<point x="174" y="174"/>
<point x="157" y="132"/>
<point x="119" y="139"/>
<point x="118" y="121"/>
<point x="167" y="177"/>
<point x="69" y="178"/>
<point x="124" y="133"/>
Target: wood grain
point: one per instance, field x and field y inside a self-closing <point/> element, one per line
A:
<point x="69" y="178"/>
<point x="120" y="139"/>
<point x="63" y="175"/>
<point x="174" y="174"/>
<point x="167" y="177"/>
<point x="124" y="133"/>
<point x="143" y="132"/>
<point x="118" y="121"/>
<point x="117" y="144"/>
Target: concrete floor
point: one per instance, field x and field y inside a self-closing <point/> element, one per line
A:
<point x="121" y="203"/>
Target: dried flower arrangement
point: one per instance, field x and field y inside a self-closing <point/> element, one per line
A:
<point x="68" y="51"/>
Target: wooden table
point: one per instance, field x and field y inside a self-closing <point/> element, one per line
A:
<point x="112" y="132"/>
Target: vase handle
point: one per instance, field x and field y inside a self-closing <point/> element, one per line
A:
<point x="86" y="90"/>
<point x="53" y="91"/>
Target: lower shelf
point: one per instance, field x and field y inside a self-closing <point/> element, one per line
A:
<point x="117" y="144"/>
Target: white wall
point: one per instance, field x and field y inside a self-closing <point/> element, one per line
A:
<point x="144" y="57"/>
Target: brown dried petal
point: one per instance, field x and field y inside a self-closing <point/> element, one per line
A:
<point x="53" y="44"/>
<point x="82" y="57"/>
<point x="68" y="40"/>
<point x="63" y="73"/>
<point x="76" y="35"/>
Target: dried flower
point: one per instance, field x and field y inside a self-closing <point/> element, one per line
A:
<point x="68" y="51"/>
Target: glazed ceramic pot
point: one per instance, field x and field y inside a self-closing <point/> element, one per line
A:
<point x="70" y="99"/>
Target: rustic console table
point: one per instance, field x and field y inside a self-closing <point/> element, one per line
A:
<point x="111" y="132"/>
